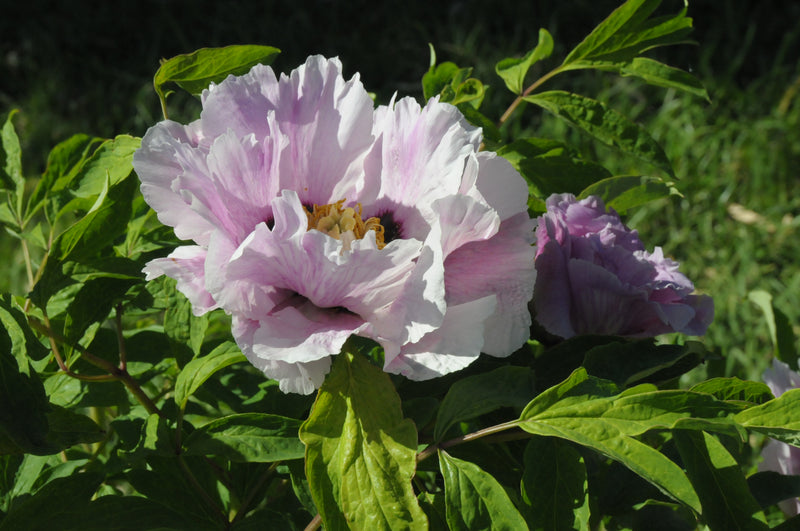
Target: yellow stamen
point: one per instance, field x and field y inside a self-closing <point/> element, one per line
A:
<point x="344" y="223"/>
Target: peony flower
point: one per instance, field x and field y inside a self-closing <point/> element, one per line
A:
<point x="595" y="277"/>
<point x="779" y="456"/>
<point x="313" y="216"/>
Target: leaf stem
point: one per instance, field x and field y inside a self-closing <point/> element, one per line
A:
<point x="114" y="373"/>
<point x="433" y="448"/>
<point x="536" y="84"/>
<point x="199" y="488"/>
<point x="314" y="524"/>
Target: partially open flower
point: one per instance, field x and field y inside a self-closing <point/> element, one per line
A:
<point x="594" y="276"/>
<point x="315" y="216"/>
<point x="779" y="456"/>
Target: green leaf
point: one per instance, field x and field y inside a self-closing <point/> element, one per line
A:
<point x="661" y="75"/>
<point x="550" y="167"/>
<point x="780" y="328"/>
<point x="58" y="505"/>
<point x="629" y="362"/>
<point x="482" y="393"/>
<point x="126" y="513"/>
<point x="735" y="389"/>
<point x="474" y="499"/>
<point x="719" y="482"/>
<point x="67" y="428"/>
<point x="360" y="452"/>
<point x="92" y="304"/>
<point x="513" y="70"/>
<point x="624" y="192"/>
<point x="195" y="71"/>
<point x="438" y="77"/>
<point x="23" y="343"/>
<point x="182" y="325"/>
<point x="554" y="485"/>
<point x="770" y="488"/>
<point x="779" y="418"/>
<point x="590" y="412"/>
<point x="604" y="124"/>
<point x="201" y="369"/>
<point x="23" y="419"/>
<point x="112" y="161"/>
<point x="627" y="32"/>
<point x="11" y="157"/>
<point x="248" y="437"/>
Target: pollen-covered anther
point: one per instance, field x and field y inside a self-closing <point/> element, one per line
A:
<point x="344" y="223"/>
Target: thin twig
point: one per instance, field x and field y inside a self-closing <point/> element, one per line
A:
<point x="314" y="524"/>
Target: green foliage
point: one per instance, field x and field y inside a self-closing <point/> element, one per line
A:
<point x="360" y="452"/>
<point x="195" y="71"/>
<point x="123" y="409"/>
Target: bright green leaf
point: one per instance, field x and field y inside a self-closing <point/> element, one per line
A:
<point x="201" y="369"/>
<point x="482" y="393"/>
<point x="719" y="482"/>
<point x="592" y="412"/>
<point x="554" y="485"/>
<point x="624" y="192"/>
<point x="11" y="157"/>
<point x="112" y="161"/>
<point x="779" y="418"/>
<point x="248" y="437"/>
<point x="513" y="70"/>
<point x="661" y="75"/>
<point x="474" y="499"/>
<point x="627" y="32"/>
<point x="604" y="124"/>
<point x="735" y="389"/>
<point x="360" y="452"/>
<point x="195" y="71"/>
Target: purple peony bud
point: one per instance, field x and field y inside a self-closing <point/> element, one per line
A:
<point x="779" y="456"/>
<point x="594" y="276"/>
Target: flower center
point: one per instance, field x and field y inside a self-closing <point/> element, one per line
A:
<point x="344" y="224"/>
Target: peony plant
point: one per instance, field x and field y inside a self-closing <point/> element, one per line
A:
<point x="303" y="309"/>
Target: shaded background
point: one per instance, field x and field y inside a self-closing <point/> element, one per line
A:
<point x="86" y="67"/>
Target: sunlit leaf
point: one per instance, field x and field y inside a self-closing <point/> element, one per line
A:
<point x="735" y="389"/>
<point x="513" y="70"/>
<point x="627" y="32"/>
<point x="604" y="124"/>
<point x="360" y="452"/>
<point x="778" y="418"/>
<point x="201" y="369"/>
<point x="474" y="499"/>
<point x="10" y="157"/>
<point x="195" y="71"/>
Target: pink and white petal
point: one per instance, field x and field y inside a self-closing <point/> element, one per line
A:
<point x="328" y="122"/>
<point x="502" y="265"/>
<point x="186" y="265"/>
<point x="464" y="220"/>
<point x="302" y="332"/>
<point x="240" y="103"/>
<point x="451" y="347"/>
<point x="158" y="163"/>
<point x="500" y="185"/>
<point x="298" y="377"/>
<point x="422" y="151"/>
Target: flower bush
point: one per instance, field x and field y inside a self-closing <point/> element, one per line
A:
<point x="315" y="216"/>
<point x="594" y="276"/>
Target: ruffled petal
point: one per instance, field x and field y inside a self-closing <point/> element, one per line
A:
<point x="451" y="347"/>
<point x="502" y="265"/>
<point x="297" y="377"/>
<point x="422" y="152"/>
<point x="186" y="265"/>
